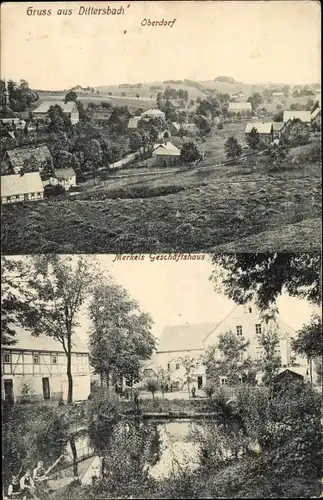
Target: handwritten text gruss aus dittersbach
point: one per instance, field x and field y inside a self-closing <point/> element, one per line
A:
<point x="80" y="11"/>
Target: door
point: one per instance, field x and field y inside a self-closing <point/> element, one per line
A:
<point x="199" y="382"/>
<point x="46" y="389"/>
<point x="8" y="390"/>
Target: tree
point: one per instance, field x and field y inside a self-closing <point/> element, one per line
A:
<point x="226" y="359"/>
<point x="255" y="100"/>
<point x="277" y="155"/>
<point x="163" y="378"/>
<point x="253" y="139"/>
<point x="189" y="364"/>
<point x="297" y="133"/>
<point x="232" y="148"/>
<point x="71" y="96"/>
<point x="309" y="342"/>
<point x="203" y="124"/>
<point x="190" y="152"/>
<point x="262" y="277"/>
<point x="121" y="335"/>
<point x="58" y="120"/>
<point x="270" y="363"/>
<point x="152" y="386"/>
<point x="14" y="297"/>
<point x="58" y="288"/>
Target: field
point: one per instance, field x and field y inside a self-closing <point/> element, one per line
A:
<point x="243" y="206"/>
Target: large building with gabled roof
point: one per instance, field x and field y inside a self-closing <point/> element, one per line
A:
<point x="21" y="187"/>
<point x="37" y="365"/>
<point x="244" y="321"/>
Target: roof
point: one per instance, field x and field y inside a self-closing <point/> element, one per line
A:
<point x="64" y="173"/>
<point x="316" y="112"/>
<point x="25" y="340"/>
<point x="101" y="114"/>
<point x="153" y="111"/>
<point x="17" y="156"/>
<point x="184" y="337"/>
<point x="21" y="184"/>
<point x="262" y="127"/>
<point x="133" y="122"/>
<point x="167" y="149"/>
<point x="304" y="116"/>
<point x="278" y="126"/>
<point x="176" y="125"/>
<point x="278" y="93"/>
<point x="240" y="106"/>
<point x="6" y="112"/>
<point x="45" y="105"/>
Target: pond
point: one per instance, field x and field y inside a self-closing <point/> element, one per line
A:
<point x="163" y="446"/>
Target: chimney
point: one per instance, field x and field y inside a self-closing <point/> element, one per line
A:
<point x="6" y="94"/>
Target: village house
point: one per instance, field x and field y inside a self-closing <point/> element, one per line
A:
<point x="100" y="116"/>
<point x="174" y="128"/>
<point x="35" y="158"/>
<point x="278" y="130"/>
<point x="38" y="365"/>
<point x="303" y="116"/>
<point x="316" y="117"/>
<point x="278" y="95"/>
<point x="133" y="122"/>
<point x="166" y="154"/>
<point x="153" y="113"/>
<point x="66" y="177"/>
<point x="243" y="108"/>
<point x="178" y="342"/>
<point x="244" y="321"/>
<point x="8" y="117"/>
<point x="17" y="188"/>
<point x="264" y="129"/>
<point x="69" y="108"/>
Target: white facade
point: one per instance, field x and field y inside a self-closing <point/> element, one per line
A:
<point x="193" y="341"/>
<point x="245" y="322"/>
<point x="42" y="372"/>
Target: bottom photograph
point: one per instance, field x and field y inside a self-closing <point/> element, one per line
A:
<point x="161" y="376"/>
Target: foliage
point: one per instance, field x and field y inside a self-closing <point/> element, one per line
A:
<point x="277" y="155"/>
<point x="271" y="362"/>
<point x="33" y="433"/>
<point x="255" y="99"/>
<point x="263" y="277"/>
<point x="227" y="359"/>
<point x="232" y="148"/>
<point x="152" y="385"/>
<point x="58" y="120"/>
<point x="20" y="95"/>
<point x="71" y="96"/>
<point x="190" y="152"/>
<point x="309" y="340"/>
<point x="309" y="343"/>
<point x="121" y="336"/>
<point x="58" y="289"/>
<point x="297" y="133"/>
<point x="14" y="297"/>
<point x="253" y="139"/>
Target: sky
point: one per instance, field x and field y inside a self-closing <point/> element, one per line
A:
<point x="177" y="293"/>
<point x="253" y="42"/>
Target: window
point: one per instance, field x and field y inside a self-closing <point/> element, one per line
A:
<point x="36" y="359"/>
<point x="258" y="329"/>
<point x="6" y="357"/>
<point x="239" y="331"/>
<point x="177" y="366"/>
<point x="250" y="309"/>
<point x="54" y="359"/>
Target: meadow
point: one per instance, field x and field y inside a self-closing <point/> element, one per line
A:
<point x="237" y="206"/>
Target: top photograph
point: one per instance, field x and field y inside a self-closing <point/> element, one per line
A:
<point x="159" y="127"/>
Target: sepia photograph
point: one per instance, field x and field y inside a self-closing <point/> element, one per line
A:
<point x="161" y="376"/>
<point x="160" y="127"/>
